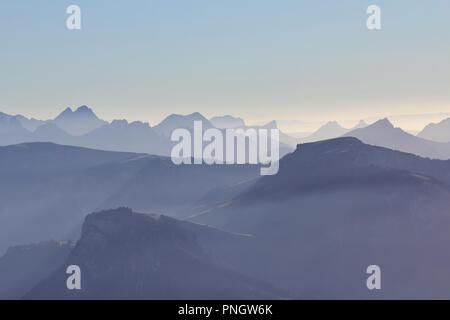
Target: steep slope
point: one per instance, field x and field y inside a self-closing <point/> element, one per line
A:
<point x="126" y="255"/>
<point x="46" y="190"/>
<point x="23" y="267"/>
<point x="335" y="208"/>
<point x="439" y="132"/>
<point x="383" y="133"/>
<point x="78" y="122"/>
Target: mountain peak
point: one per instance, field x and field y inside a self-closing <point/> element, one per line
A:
<point x="383" y="123"/>
<point x="78" y="122"/>
<point x="84" y="109"/>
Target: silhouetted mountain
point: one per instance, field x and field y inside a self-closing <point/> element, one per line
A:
<point x="227" y="122"/>
<point x="23" y="267"/>
<point x="78" y="122"/>
<point x="337" y="207"/>
<point x="382" y="133"/>
<point x="439" y="132"/>
<point x="46" y="190"/>
<point x="329" y="130"/>
<point x="176" y="121"/>
<point x="30" y="124"/>
<point x="361" y="124"/>
<point x="11" y="131"/>
<point x="50" y="132"/>
<point x="129" y="137"/>
<point x="82" y="128"/>
<point x="126" y="255"/>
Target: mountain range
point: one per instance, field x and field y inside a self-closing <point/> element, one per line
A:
<point x="82" y="127"/>
<point x="310" y="231"/>
<point x="48" y="189"/>
<point x="331" y="130"/>
<point x="373" y="195"/>
<point x="338" y="206"/>
<point x="383" y="133"/>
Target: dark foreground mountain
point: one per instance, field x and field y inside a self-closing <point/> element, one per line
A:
<point x="23" y="267"/>
<point x="339" y="206"/>
<point x="46" y="190"/>
<point x="126" y="255"/>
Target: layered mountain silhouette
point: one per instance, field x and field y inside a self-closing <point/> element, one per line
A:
<point x="123" y="136"/>
<point x="81" y="127"/>
<point x="126" y="255"/>
<point x="11" y="130"/>
<point x="339" y="206"/>
<point x="287" y="143"/>
<point x="47" y="189"/>
<point x="376" y="196"/>
<point x="383" y="133"/>
<point x="439" y="132"/>
<point x="78" y="122"/>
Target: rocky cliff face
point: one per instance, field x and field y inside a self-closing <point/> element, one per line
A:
<point x="126" y="255"/>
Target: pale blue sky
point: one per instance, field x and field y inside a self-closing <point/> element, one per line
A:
<point x="259" y="59"/>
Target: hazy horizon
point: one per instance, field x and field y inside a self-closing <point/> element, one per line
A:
<point x="259" y="60"/>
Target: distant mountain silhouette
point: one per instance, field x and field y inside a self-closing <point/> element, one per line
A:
<point x="23" y="267"/>
<point x="361" y="124"/>
<point x="78" y="122"/>
<point x="50" y="132"/>
<point x="176" y="121"/>
<point x="30" y="124"/>
<point x="383" y="133"/>
<point x="329" y="130"/>
<point x="126" y="255"/>
<point x="83" y="128"/>
<point x="123" y="136"/>
<point x="338" y="206"/>
<point x="166" y="127"/>
<point x="227" y="122"/>
<point x="439" y="132"/>
<point x="11" y="131"/>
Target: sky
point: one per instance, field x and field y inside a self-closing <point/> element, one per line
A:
<point x="259" y="59"/>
